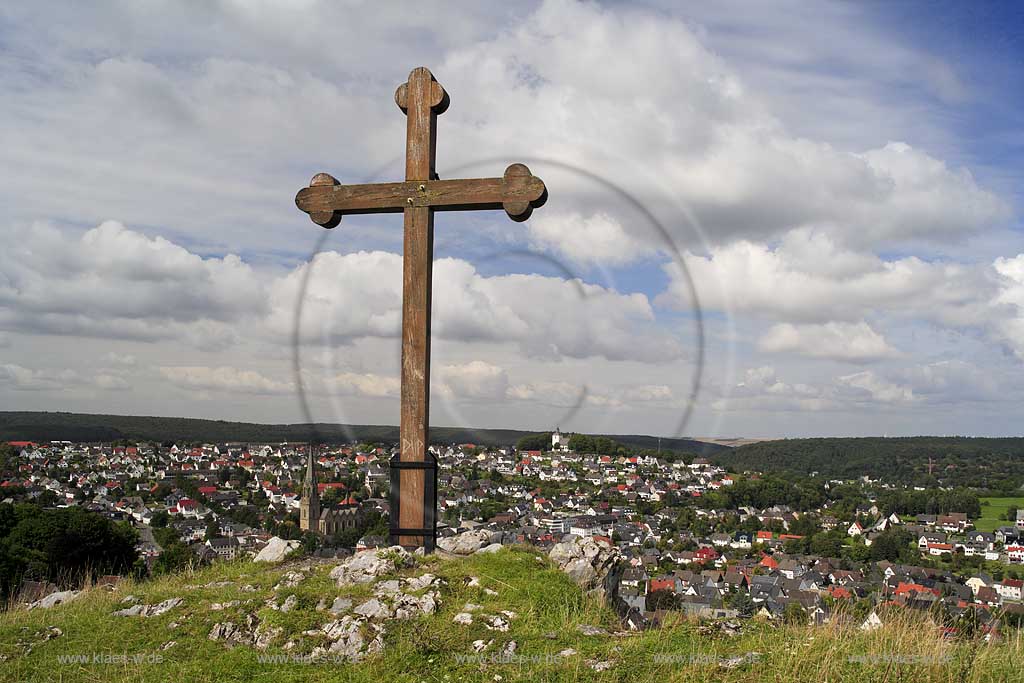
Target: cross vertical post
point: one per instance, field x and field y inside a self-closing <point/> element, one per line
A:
<point x="518" y="192"/>
<point x="419" y="97"/>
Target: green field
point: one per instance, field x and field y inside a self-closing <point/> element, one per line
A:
<point x="992" y="512"/>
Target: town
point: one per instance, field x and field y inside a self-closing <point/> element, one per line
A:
<point x="699" y="539"/>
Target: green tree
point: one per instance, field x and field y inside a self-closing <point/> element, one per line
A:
<point x="794" y="614"/>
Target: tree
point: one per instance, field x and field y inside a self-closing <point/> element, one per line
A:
<point x="663" y="599"/>
<point x="160" y="519"/>
<point x="892" y="545"/>
<point x="794" y="614"/>
<point x="64" y="546"/>
<point x="742" y="603"/>
<point x="212" y="529"/>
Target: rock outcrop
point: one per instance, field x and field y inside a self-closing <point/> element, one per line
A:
<point x="466" y="543"/>
<point x="595" y="566"/>
<point x="54" y="599"/>
<point x="366" y="566"/>
<point x="276" y="550"/>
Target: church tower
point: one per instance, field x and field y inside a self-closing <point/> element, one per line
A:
<point x="309" y="506"/>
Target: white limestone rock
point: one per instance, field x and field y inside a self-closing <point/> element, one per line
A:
<point x="366" y="566"/>
<point x="466" y="543"/>
<point x="54" y="599"/>
<point x="276" y="550"/>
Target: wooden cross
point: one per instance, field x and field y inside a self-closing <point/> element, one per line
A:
<point x="518" y="192"/>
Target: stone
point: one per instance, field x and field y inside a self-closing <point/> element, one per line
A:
<point x="465" y="543"/>
<point x="409" y="606"/>
<point x="128" y="599"/>
<point x="420" y="582"/>
<point x="472" y="607"/>
<point x="567" y="652"/>
<point x="599" y="665"/>
<point x="374" y="609"/>
<point x="588" y="630"/>
<point x="222" y="631"/>
<point x="472" y="581"/>
<point x="480" y="645"/>
<point x="133" y="611"/>
<point x="290" y="603"/>
<point x="340" y="605"/>
<point x="509" y="649"/>
<point x="220" y="606"/>
<point x="149" y="610"/>
<point x="168" y="645"/>
<point x="595" y="566"/>
<point x="388" y="588"/>
<point x="54" y="599"/>
<point x="276" y="550"/>
<point x="263" y="638"/>
<point x="348" y="641"/>
<point x="162" y="607"/>
<point x="366" y="566"/>
<point x="496" y="623"/>
<point x="492" y="548"/>
<point x="488" y="591"/>
<point x="290" y="580"/>
<point x="463" y="618"/>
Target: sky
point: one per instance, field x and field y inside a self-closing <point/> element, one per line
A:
<point x="770" y="219"/>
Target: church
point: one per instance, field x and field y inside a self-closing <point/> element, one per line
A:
<point x="312" y="518"/>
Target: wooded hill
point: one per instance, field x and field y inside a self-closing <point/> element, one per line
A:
<point x="79" y="427"/>
<point x="996" y="464"/>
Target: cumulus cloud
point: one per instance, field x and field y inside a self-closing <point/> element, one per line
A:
<point x="224" y="379"/>
<point x="359" y="295"/>
<point x="584" y="240"/>
<point x="114" y="282"/>
<point x="855" y="342"/>
<point x="761" y="389"/>
<point x="20" y="378"/>
<point x="368" y="385"/>
<point x="474" y="380"/>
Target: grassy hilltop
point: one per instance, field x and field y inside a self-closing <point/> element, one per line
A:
<point x="548" y="609"/>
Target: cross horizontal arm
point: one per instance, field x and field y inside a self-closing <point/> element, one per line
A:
<point x="518" y="192"/>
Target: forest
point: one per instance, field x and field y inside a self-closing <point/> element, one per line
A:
<point x="987" y="464"/>
<point x="80" y="427"/>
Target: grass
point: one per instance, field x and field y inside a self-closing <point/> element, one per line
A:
<point x="548" y="610"/>
<point x="992" y="509"/>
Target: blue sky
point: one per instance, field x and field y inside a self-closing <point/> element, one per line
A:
<point x="841" y="181"/>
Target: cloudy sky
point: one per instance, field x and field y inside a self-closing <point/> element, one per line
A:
<point x="770" y="219"/>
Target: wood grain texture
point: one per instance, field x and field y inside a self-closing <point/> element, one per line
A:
<point x="326" y="201"/>
<point x="517" y="191"/>
<point x="417" y="266"/>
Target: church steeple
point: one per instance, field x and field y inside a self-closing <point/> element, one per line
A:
<point x="309" y="506"/>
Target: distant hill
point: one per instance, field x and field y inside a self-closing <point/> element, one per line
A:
<point x="45" y="426"/>
<point x="963" y="461"/>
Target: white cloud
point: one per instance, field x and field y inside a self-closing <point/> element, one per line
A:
<point x="855" y="342"/>
<point x="112" y="382"/>
<point x="359" y="295"/>
<point x="584" y="240"/>
<point x="20" y="378"/>
<point x="224" y="379"/>
<point x="362" y="384"/>
<point x="868" y="385"/>
<point x="113" y="282"/>
<point x="473" y="380"/>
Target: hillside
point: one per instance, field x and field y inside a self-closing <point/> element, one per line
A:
<point x="46" y="426"/>
<point x="962" y="461"/>
<point x="226" y="614"/>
